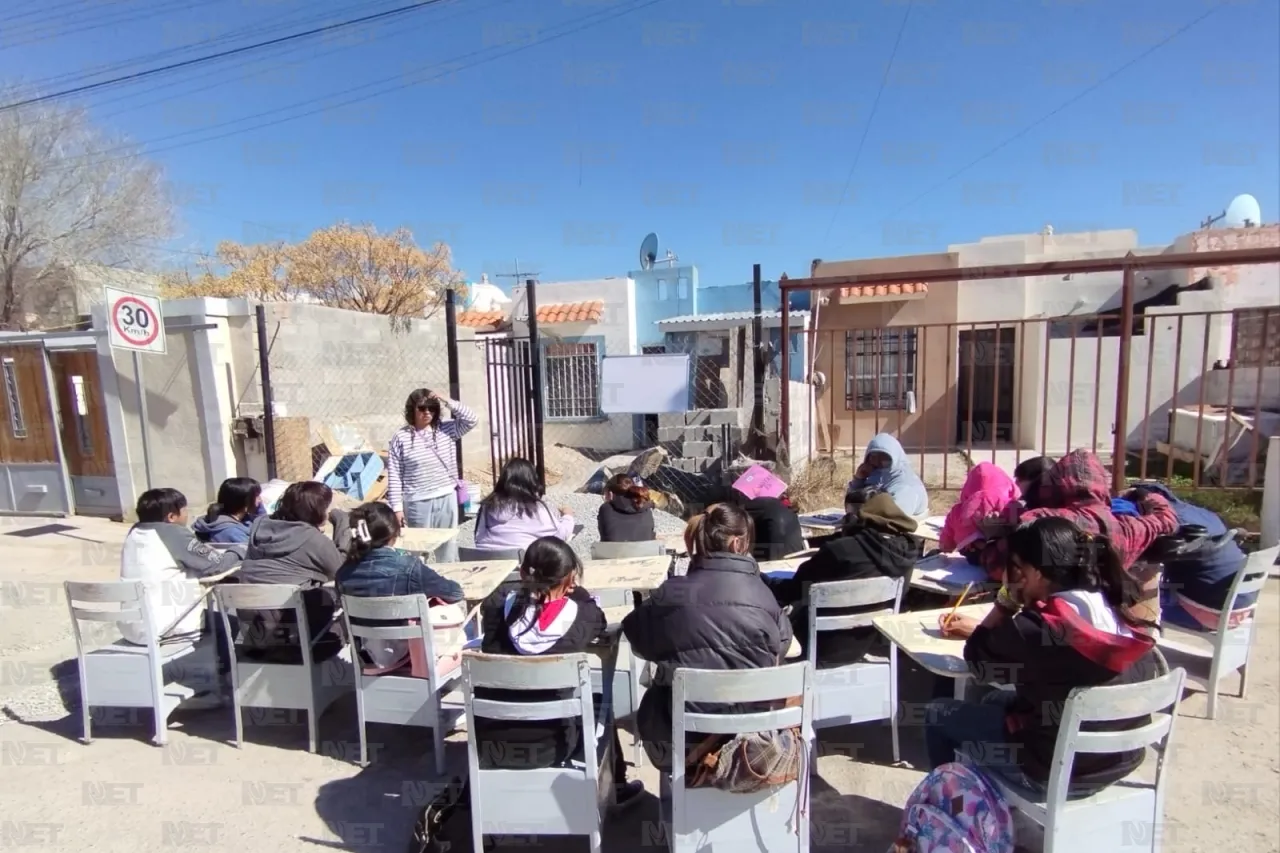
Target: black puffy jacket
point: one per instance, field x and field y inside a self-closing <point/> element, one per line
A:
<point x="721" y="615"/>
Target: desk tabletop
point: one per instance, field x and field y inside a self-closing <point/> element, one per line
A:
<point x="627" y="573"/>
<point x="479" y="578"/>
<point x="424" y="540"/>
<point x="948" y="574"/>
<point x="917" y="634"/>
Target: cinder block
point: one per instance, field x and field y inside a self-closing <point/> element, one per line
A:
<point x="671" y="433"/>
<point x="724" y="416"/>
<point x="671" y="419"/>
<point x="696" y="433"/>
<point x="689" y="466"/>
<point x="697" y="448"/>
<point x="697" y="417"/>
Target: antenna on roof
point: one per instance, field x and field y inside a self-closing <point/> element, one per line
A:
<point x="517" y="274"/>
<point x="649" y="251"/>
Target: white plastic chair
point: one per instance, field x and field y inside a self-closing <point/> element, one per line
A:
<point x="548" y="801"/>
<point x="627" y="550"/>
<point x="309" y="686"/>
<point x="704" y="819"/>
<point x="125" y="675"/>
<point x="627" y="691"/>
<point x="399" y="698"/>
<point x="860" y="692"/>
<point x="1229" y="648"/>
<point x="1102" y="821"/>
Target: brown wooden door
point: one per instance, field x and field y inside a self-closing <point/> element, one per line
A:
<point x="27" y="432"/>
<point x="986" y="380"/>
<point x="83" y="409"/>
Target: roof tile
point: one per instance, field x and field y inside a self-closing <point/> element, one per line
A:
<point x="589" y="311"/>
<point x="868" y="290"/>
<point x="477" y="319"/>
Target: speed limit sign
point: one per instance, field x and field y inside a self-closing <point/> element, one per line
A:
<point x="135" y="321"/>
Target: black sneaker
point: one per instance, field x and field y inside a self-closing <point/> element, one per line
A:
<point x="627" y="794"/>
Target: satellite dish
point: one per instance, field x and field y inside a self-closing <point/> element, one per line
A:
<point x="1243" y="212"/>
<point x="648" y="251"/>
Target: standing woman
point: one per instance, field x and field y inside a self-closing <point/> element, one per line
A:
<point x="422" y="465"/>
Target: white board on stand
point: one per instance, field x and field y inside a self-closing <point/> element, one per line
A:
<point x="644" y="384"/>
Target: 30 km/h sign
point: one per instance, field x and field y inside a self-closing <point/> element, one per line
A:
<point x="135" y="321"/>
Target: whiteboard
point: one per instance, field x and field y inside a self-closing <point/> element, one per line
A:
<point x="644" y="384"/>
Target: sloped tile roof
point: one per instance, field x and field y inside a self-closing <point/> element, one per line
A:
<point x="478" y="319"/>
<point x="589" y="311"/>
<point x="865" y="290"/>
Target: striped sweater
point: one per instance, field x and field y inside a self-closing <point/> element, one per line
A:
<point x="423" y="463"/>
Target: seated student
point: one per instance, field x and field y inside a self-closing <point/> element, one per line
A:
<point x="1078" y="489"/>
<point x="876" y="541"/>
<point x="549" y="614"/>
<point x="1198" y="571"/>
<point x="1059" y="625"/>
<point x="776" y="525"/>
<point x="290" y="547"/>
<point x="886" y="469"/>
<point x="718" y="616"/>
<point x="514" y="514"/>
<point x="627" y="512"/>
<point x="986" y="492"/>
<point x="1029" y="477"/>
<point x="161" y="552"/>
<point x="227" y="521"/>
<point x="375" y="567"/>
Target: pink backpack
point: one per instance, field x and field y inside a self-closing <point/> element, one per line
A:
<point x="955" y="810"/>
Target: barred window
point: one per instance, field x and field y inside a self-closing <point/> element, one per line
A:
<point x="17" y="422"/>
<point x="880" y="368"/>
<point x="1257" y="337"/>
<point x="572" y="379"/>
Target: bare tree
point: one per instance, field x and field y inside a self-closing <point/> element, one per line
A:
<point x="70" y="194"/>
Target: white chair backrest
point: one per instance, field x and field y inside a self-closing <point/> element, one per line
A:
<point x="740" y="686"/>
<point x="476" y="555"/>
<point x="883" y="594"/>
<point x="401" y="609"/>
<point x="114" y="602"/>
<point x="627" y="550"/>
<point x="550" y="672"/>
<point x="1253" y="577"/>
<point x="235" y="597"/>
<point x="1157" y="698"/>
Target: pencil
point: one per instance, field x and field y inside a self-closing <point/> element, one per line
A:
<point x="956" y="606"/>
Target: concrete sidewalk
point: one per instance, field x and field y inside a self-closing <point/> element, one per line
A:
<point x="122" y="794"/>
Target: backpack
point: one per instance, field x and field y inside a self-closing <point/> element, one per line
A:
<point x="444" y="826"/>
<point x="955" y="810"/>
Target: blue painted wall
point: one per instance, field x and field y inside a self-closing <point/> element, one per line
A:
<point x="663" y="292"/>
<point x="737" y="297"/>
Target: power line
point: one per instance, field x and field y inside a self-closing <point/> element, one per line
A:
<point x="55" y="25"/>
<point x="866" y="129"/>
<point x="449" y="67"/>
<point x="128" y="78"/>
<point x="1088" y="90"/>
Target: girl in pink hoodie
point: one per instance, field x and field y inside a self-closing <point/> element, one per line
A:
<point x="987" y="491"/>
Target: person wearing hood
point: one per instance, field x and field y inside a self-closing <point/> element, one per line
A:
<point x="1029" y="476"/>
<point x="885" y="468"/>
<point x="547" y="614"/>
<point x="228" y="520"/>
<point x="514" y="514"/>
<point x="720" y="615"/>
<point x="876" y="541"/>
<point x="289" y="547"/>
<point x="627" y="512"/>
<point x="986" y="492"/>
<point x="1061" y="623"/>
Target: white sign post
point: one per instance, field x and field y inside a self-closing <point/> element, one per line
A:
<point x="135" y="322"/>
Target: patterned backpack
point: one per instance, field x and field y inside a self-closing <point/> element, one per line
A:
<point x="955" y="810"/>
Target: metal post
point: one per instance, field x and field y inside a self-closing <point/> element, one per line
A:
<point x="1122" y="384"/>
<point x="784" y="420"/>
<point x="758" y="364"/>
<point x="268" y="399"/>
<point x="535" y="357"/>
<point x="143" y="418"/>
<point x="451" y="344"/>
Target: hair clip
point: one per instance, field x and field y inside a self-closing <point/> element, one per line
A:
<point x="362" y="531"/>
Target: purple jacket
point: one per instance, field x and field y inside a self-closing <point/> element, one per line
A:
<point x="501" y="531"/>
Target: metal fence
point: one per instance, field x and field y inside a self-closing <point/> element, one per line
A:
<point x="1171" y="392"/>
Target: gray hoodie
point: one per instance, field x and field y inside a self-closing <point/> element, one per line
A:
<point x="294" y="552"/>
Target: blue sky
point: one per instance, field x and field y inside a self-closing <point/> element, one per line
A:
<point x="728" y="126"/>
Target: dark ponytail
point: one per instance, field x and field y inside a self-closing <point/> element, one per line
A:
<point x="373" y="525"/>
<point x="1070" y="558"/>
<point x="548" y="563"/>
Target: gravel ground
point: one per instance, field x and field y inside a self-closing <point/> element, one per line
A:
<point x="585" y="509"/>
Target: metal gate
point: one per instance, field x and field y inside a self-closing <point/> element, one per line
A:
<point x="515" y="428"/>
